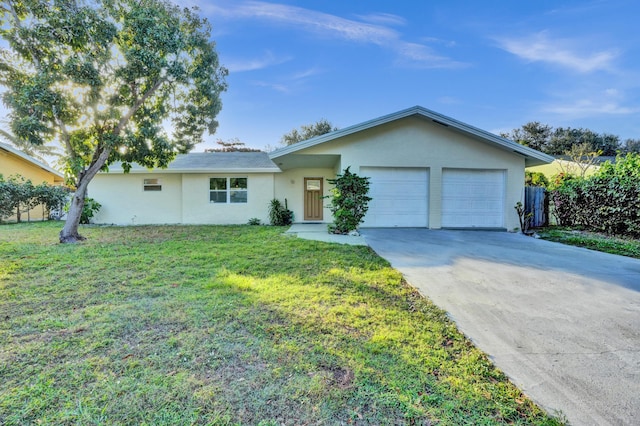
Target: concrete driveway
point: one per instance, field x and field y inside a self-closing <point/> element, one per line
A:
<point x="562" y="322"/>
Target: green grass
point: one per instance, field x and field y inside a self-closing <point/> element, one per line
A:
<point x="592" y="240"/>
<point x="225" y="326"/>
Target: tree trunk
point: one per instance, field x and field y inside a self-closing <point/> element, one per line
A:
<point x="69" y="233"/>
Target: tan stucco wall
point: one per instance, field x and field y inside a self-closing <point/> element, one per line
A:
<point x="184" y="199"/>
<point x="124" y="202"/>
<point x="198" y="209"/>
<point x="11" y="164"/>
<point x="414" y="142"/>
<point x="290" y="185"/>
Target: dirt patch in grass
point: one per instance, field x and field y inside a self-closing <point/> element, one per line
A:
<point x="229" y="325"/>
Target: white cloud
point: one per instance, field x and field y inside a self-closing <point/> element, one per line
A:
<point x="383" y="19"/>
<point x="422" y="55"/>
<point x="274" y="86"/>
<point x="294" y="82"/>
<point x="267" y="60"/>
<point x="376" y="31"/>
<point x="590" y="107"/>
<point x="306" y="73"/>
<point x="540" y="47"/>
<point x="609" y="101"/>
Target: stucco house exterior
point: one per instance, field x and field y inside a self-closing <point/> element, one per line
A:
<point x="426" y="170"/>
<point x="15" y="162"/>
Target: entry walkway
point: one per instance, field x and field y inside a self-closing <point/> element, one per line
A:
<point x="318" y="232"/>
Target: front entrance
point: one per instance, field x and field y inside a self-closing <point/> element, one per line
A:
<point x="313" y="198"/>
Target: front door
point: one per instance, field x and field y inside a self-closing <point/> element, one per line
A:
<point x="313" y="198"/>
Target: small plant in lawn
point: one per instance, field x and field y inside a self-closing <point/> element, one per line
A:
<point x="349" y="201"/>
<point x="280" y="215"/>
<point x="524" y="218"/>
<point x="254" y="221"/>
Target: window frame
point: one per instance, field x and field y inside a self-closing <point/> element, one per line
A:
<point x="148" y="186"/>
<point x="228" y="190"/>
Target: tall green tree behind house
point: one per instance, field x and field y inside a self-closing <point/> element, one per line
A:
<point x="308" y="131"/>
<point x="105" y="78"/>
<point x="533" y="134"/>
<point x="561" y="140"/>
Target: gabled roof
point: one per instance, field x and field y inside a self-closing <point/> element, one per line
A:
<point x="210" y="162"/>
<point x="532" y="157"/>
<point x="29" y="159"/>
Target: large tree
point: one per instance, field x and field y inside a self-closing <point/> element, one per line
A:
<point x="308" y="131"/>
<point x="561" y="140"/>
<point x="105" y="78"/>
<point x="533" y="134"/>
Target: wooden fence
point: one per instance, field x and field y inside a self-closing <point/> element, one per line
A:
<point x="536" y="201"/>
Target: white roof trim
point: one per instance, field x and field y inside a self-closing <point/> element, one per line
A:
<point x="191" y="171"/>
<point x="424" y="112"/>
<point x="30" y="159"/>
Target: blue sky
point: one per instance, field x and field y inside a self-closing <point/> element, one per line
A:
<point x="493" y="64"/>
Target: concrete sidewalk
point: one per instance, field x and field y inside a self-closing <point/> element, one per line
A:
<point x="562" y="322"/>
<point x="319" y="232"/>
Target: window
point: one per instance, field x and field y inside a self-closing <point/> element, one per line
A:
<point x="228" y="190"/>
<point x="152" y="185"/>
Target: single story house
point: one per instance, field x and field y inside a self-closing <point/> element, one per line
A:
<point x="426" y="170"/>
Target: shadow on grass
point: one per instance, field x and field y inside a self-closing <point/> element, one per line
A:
<point x="226" y="325"/>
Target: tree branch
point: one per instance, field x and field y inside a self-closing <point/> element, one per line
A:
<point x="125" y="119"/>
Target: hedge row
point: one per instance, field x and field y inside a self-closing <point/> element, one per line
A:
<point x="608" y="201"/>
<point x="19" y="195"/>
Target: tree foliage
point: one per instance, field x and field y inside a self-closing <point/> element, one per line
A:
<point x="18" y="195"/>
<point x="39" y="152"/>
<point x="349" y="201"/>
<point x="631" y="146"/>
<point x="561" y="140"/>
<point x="533" y="134"/>
<point x="535" y="179"/>
<point x="102" y="77"/>
<point x="607" y="201"/>
<point x="232" y="145"/>
<point x="308" y="131"/>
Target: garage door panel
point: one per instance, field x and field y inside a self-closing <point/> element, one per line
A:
<point x="472" y="198"/>
<point x="399" y="196"/>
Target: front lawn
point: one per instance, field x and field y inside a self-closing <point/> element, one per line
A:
<point x="229" y="325"/>
<point x="592" y="240"/>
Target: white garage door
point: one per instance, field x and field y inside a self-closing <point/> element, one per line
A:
<point x="472" y="198"/>
<point x="399" y="196"/>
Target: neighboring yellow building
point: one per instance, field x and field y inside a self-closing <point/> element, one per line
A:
<point x="562" y="165"/>
<point x="15" y="162"/>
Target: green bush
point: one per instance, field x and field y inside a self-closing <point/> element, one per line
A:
<point x="89" y="209"/>
<point x="18" y="195"/>
<point x="608" y="201"/>
<point x="535" y="179"/>
<point x="349" y="201"/>
<point x="280" y="215"/>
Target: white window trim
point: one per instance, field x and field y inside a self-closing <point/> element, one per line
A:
<point x="229" y="189"/>
<point x="147" y="186"/>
